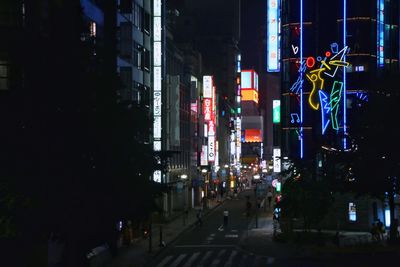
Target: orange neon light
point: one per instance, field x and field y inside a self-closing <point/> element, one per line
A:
<point x="250" y="95"/>
<point x="252" y="135"/>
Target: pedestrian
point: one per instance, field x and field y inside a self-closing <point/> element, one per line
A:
<point x="248" y="207"/>
<point x="381" y="229"/>
<point x="198" y="216"/>
<point x="226" y="214"/>
<point x="375" y="232"/>
<point x="269" y="196"/>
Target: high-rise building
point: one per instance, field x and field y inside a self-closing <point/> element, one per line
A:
<point x="331" y="58"/>
<point x="333" y="55"/>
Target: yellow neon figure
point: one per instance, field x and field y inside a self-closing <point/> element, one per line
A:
<point x="318" y="83"/>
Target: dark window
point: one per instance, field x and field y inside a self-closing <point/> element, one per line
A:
<point x="137" y="55"/>
<point x="126" y="81"/>
<point x="126" y="40"/>
<point x="146" y="26"/>
<point x="138" y="16"/>
<point x="146" y="59"/>
<point x="125" y="6"/>
<point x="4" y="74"/>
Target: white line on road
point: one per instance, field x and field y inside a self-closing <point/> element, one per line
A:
<point x="234" y="236"/>
<point x="205" y="246"/>
<point x="243" y="261"/>
<point x="217" y="259"/>
<point x="270" y="260"/>
<point x="205" y="258"/>
<point x="178" y="260"/>
<point x="191" y="259"/>
<point x="164" y="261"/>
<point x="230" y="260"/>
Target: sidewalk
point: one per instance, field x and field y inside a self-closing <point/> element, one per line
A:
<point x="138" y="253"/>
<point x="260" y="241"/>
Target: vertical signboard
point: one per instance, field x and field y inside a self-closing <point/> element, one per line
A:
<point x="203" y="156"/>
<point x="273" y="26"/>
<point x="380" y="37"/>
<point x="211" y="148"/>
<point x="276" y="111"/>
<point x="207" y="86"/>
<point x="157" y="81"/>
<point x="277" y="159"/>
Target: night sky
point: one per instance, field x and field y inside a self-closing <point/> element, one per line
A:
<point x="253" y="19"/>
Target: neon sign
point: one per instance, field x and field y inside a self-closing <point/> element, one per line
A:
<point x="157" y="82"/>
<point x="273" y="31"/>
<point x="380" y="33"/>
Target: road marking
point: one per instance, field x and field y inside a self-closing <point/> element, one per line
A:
<point x="221" y="228"/>
<point x="164" y="261"/>
<point x="178" y="260"/>
<point x="207" y="246"/>
<point x="191" y="259"/>
<point x="243" y="261"/>
<point x="205" y="258"/>
<point x="232" y="236"/>
<point x="270" y="260"/>
<point x="217" y="259"/>
<point x="230" y="260"/>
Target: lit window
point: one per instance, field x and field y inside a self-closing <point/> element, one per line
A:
<point x="92" y="29"/>
<point x="352" y="212"/>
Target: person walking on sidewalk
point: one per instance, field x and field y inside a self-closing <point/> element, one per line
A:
<point x="269" y="196"/>
<point x="198" y="216"/>
<point x="226" y="215"/>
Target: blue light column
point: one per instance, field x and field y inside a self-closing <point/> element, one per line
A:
<point x="301" y="86"/>
<point x="344" y="76"/>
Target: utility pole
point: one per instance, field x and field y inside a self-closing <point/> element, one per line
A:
<point x="256" y="201"/>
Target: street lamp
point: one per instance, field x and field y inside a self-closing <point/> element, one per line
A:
<point x="184" y="176"/>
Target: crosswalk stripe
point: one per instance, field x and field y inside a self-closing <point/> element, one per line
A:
<point x="217" y="259"/>
<point x="178" y="260"/>
<point x="257" y="261"/>
<point x="205" y="258"/>
<point x="243" y="260"/>
<point x="164" y="261"/>
<point x="230" y="260"/>
<point x="191" y="259"/>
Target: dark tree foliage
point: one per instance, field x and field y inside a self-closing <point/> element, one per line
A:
<point x="73" y="158"/>
<point x="304" y="197"/>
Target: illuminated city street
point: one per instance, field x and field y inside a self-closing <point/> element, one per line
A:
<point x="171" y="133"/>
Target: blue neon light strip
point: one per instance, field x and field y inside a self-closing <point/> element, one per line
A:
<point x="301" y="86"/>
<point x="344" y="76"/>
<point x="380" y="53"/>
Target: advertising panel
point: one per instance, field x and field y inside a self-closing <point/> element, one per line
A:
<point x="273" y="25"/>
<point x="277" y="160"/>
<point x="207" y="87"/>
<point x="276" y="111"/>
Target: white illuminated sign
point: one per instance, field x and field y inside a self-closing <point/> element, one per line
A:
<point x="273" y="23"/>
<point x="203" y="156"/>
<point x="157" y="145"/>
<point x="207" y="87"/>
<point x="157" y="29"/>
<point x="211" y="148"/>
<point x="157" y="80"/>
<point x="157" y="8"/>
<point x="277" y="159"/>
<point x="157" y="104"/>
<point x="157" y="176"/>
<point x="157" y="127"/>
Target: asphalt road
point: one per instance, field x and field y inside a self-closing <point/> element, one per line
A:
<point x="212" y="244"/>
